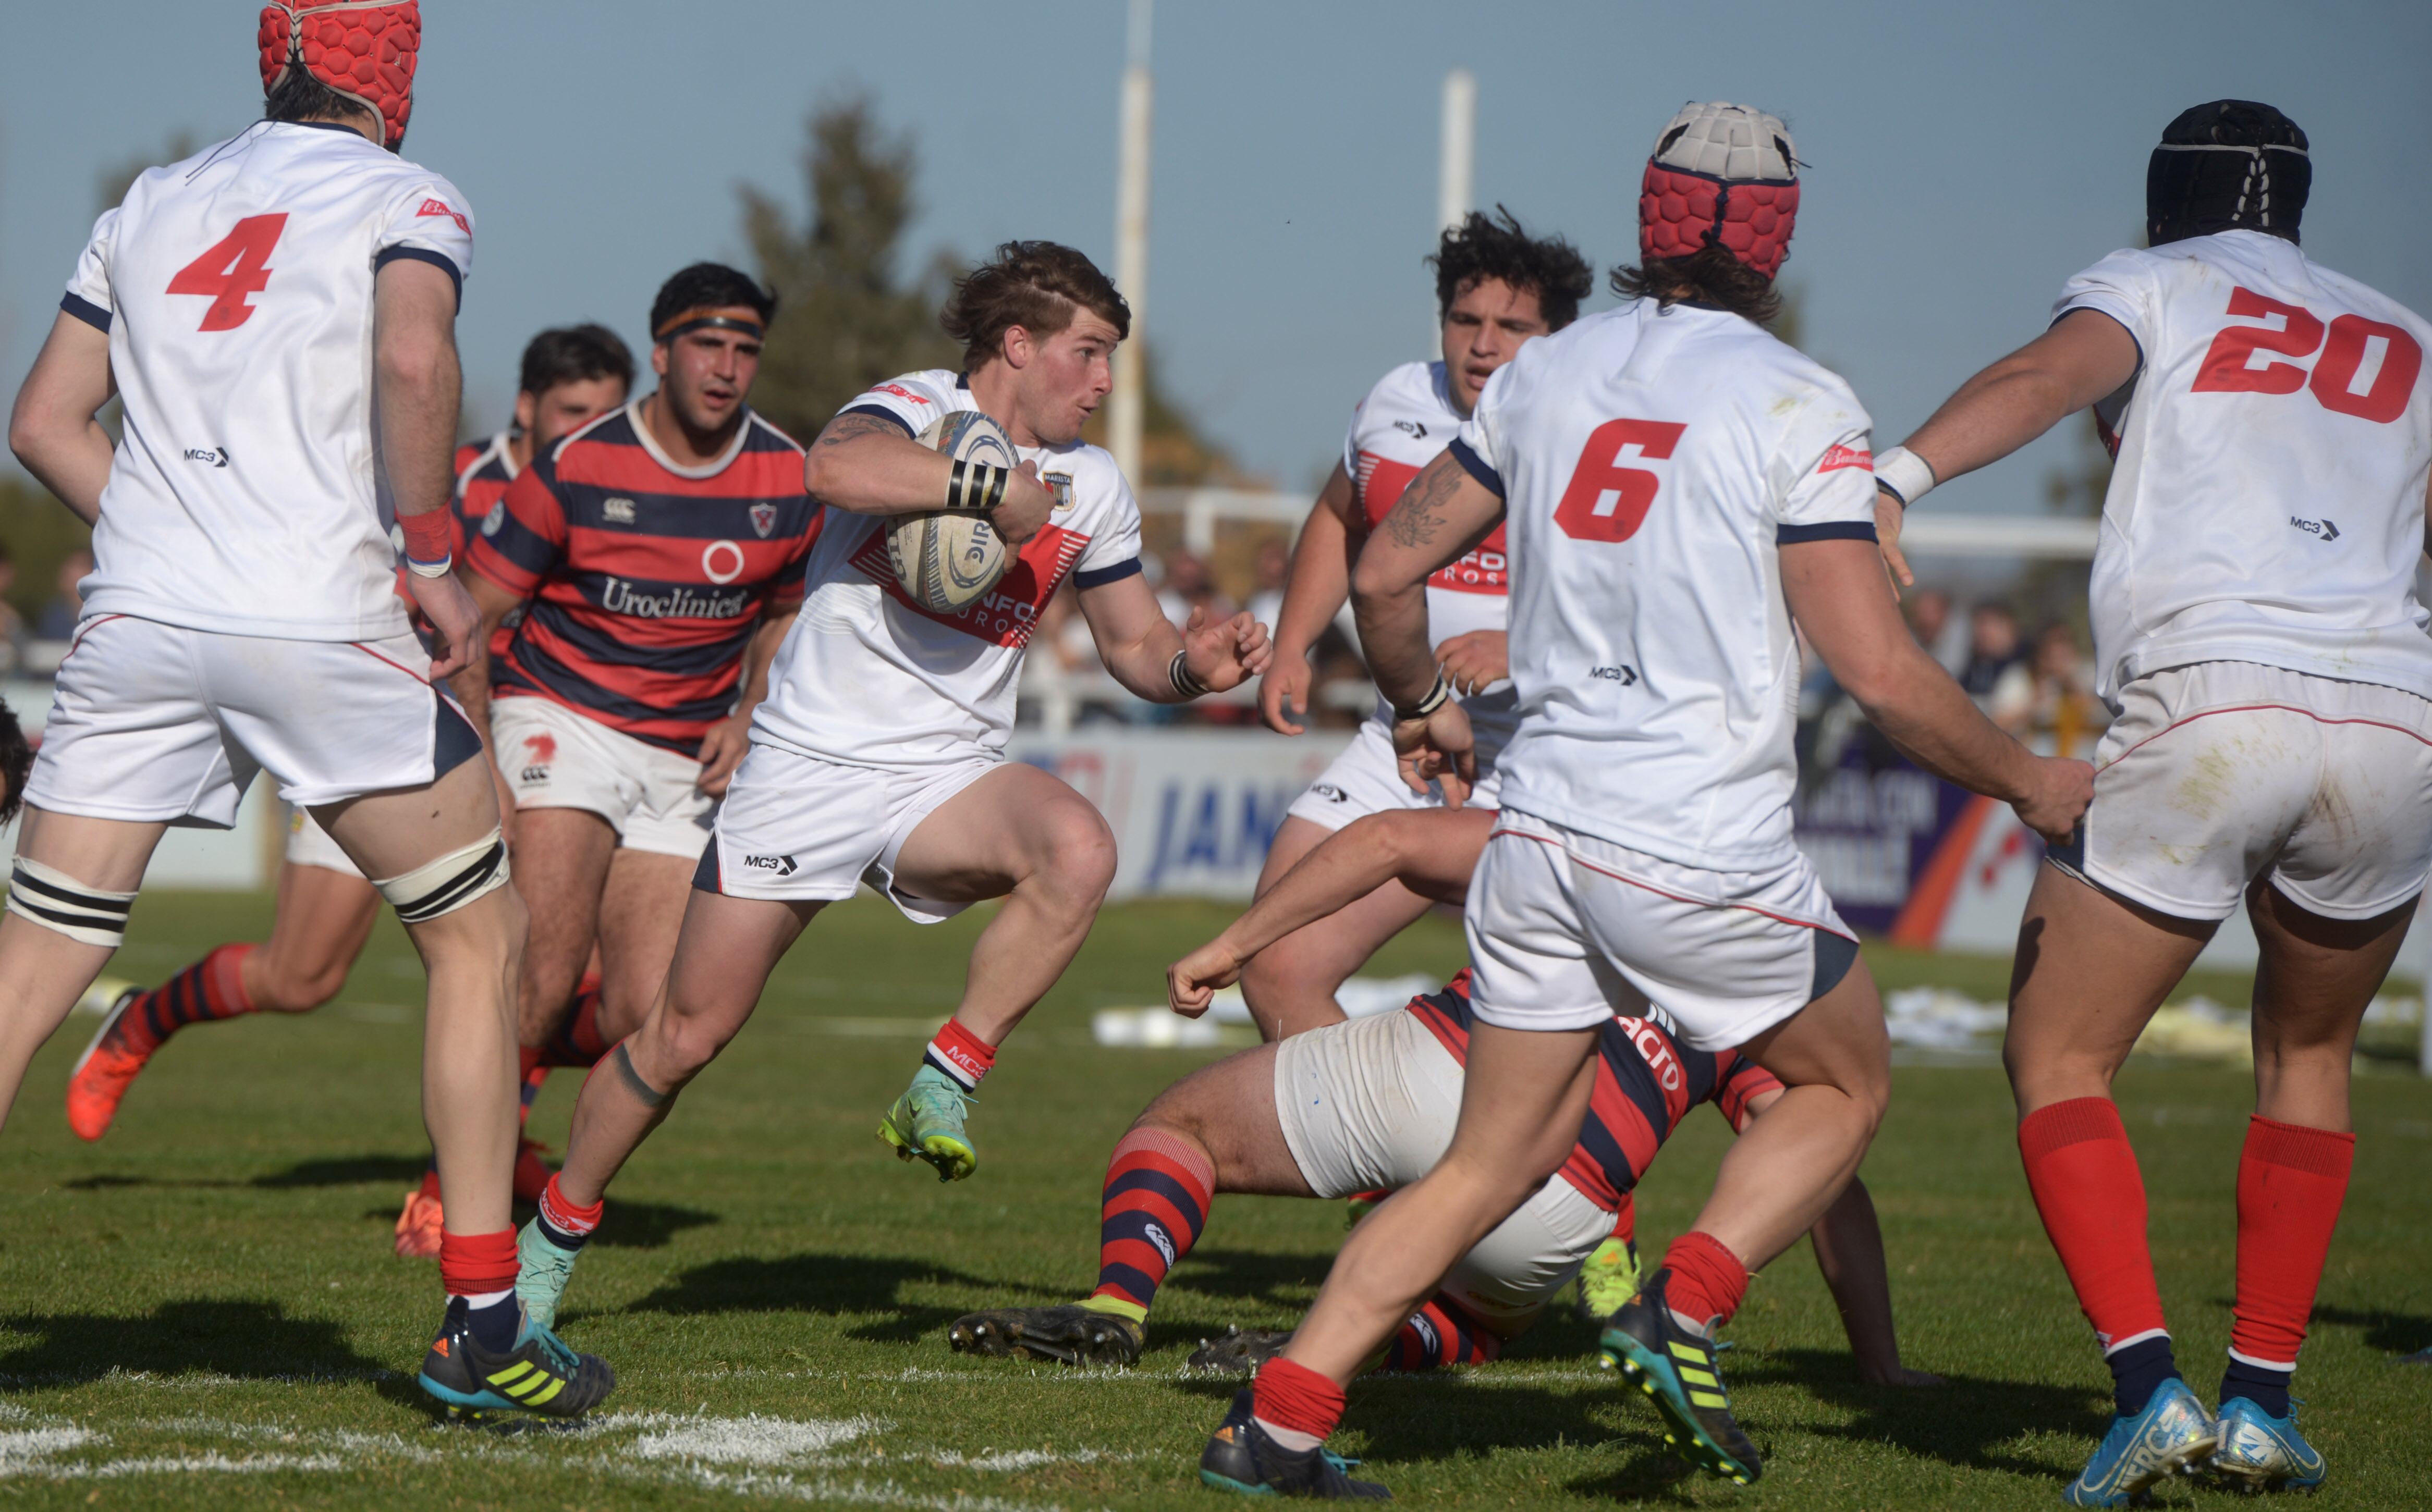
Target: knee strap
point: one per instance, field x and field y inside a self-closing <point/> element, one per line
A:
<point x="56" y="900"/>
<point x="449" y="882"/>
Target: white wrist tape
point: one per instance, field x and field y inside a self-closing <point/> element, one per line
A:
<point x="440" y="568"/>
<point x="49" y="897"/>
<point x="1908" y="475"/>
<point x="449" y="882"/>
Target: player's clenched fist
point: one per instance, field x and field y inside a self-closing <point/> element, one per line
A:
<point x="1471" y="661"/>
<point x="1225" y="653"/>
<point x="455" y="620"/>
<point x="1438" y="748"/>
<point x="1026" y="506"/>
<point x="1190" y="982"/>
<point x="2056" y="796"/>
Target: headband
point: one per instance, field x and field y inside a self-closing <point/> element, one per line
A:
<point x="707" y="318"/>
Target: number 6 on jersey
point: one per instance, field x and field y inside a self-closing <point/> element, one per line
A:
<point x="1607" y="501"/>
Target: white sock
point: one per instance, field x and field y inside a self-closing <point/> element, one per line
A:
<point x="1292" y="1438"/>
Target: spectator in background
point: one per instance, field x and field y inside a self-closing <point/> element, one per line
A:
<point x="1992" y="649"/>
<point x="1938" y="630"/>
<point x="58" y="620"/>
<point x="1189" y="586"/>
<point x="2052" y="697"/>
<point x="1273" y="565"/>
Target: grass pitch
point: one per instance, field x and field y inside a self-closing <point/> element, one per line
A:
<point x="203" y="1309"/>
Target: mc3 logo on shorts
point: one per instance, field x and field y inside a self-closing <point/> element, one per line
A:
<point x="781" y="866"/>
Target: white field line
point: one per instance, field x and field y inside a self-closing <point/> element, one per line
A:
<point x="752" y="1439"/>
<point x="785" y="1485"/>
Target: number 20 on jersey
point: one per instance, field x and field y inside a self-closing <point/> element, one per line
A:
<point x="2230" y="364"/>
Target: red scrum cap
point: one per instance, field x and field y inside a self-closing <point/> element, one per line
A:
<point x="363" y="49"/>
<point x="1723" y="176"/>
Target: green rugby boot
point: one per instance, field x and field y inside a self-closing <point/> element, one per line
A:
<point x="542" y="1271"/>
<point x="1607" y="1282"/>
<point x="926" y="1124"/>
<point x="1676" y="1370"/>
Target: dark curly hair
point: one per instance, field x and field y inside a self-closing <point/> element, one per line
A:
<point x="1482" y="247"/>
<point x="1709" y="276"/>
<point x="16" y="760"/>
<point x="1035" y="285"/>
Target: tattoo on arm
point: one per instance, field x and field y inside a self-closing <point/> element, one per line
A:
<point x="1417" y="516"/>
<point x="846" y="427"/>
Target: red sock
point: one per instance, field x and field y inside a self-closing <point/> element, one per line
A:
<point x="564" y="1223"/>
<point x="960" y="1055"/>
<point x="1159" y="1188"/>
<point x="213" y="987"/>
<point x="1438" y="1334"/>
<point x="535" y="1071"/>
<point x="1708" y="1281"/>
<point x="578" y="1040"/>
<point x="477" y="1265"/>
<point x="2290" y="1183"/>
<point x="2084" y="1175"/>
<point x="1295" y="1400"/>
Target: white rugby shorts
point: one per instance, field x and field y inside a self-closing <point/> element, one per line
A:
<point x="1366" y="780"/>
<point x="797" y="828"/>
<point x="2219" y="772"/>
<point x="1370" y="1103"/>
<point x="159" y="723"/>
<point x="555" y="758"/>
<point x="1564" y="929"/>
<point x="309" y="845"/>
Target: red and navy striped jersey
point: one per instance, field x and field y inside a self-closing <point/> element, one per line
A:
<point x="646" y="580"/>
<point x="1645" y="1084"/>
<point x="483" y="470"/>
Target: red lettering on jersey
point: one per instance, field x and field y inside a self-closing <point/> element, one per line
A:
<point x="236" y="268"/>
<point x="901" y="392"/>
<point x="2353" y="345"/>
<point x="543" y="747"/>
<point x="433" y="206"/>
<point x="1381" y="485"/>
<point x="1841" y="455"/>
<point x="1605" y="500"/>
<point x="1007" y="614"/>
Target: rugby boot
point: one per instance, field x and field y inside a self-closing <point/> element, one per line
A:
<point x="539" y="1376"/>
<point x="106" y="1069"/>
<point x="417" y="1223"/>
<point x="2172" y="1437"/>
<point x="2260" y="1452"/>
<point x="1239" y="1351"/>
<point x="1607" y="1281"/>
<point x="1675" y="1369"/>
<point x="1070" y="1334"/>
<point x="926" y="1124"/>
<point x="1240" y="1457"/>
<point x="542" y="1270"/>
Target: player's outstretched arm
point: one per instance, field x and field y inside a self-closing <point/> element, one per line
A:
<point x="1138" y="644"/>
<point x="1835" y="592"/>
<point x="1430" y="852"/>
<point x="2085" y="356"/>
<point x="52" y="429"/>
<point x="865" y="464"/>
<point x="1314" y="593"/>
<point x="1441" y="514"/>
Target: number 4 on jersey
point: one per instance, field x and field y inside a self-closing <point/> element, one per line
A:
<point x="236" y="268"/>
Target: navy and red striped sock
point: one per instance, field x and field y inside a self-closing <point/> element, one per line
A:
<point x="1158" y="1187"/>
<point x="211" y="989"/>
<point x="577" y="1040"/>
<point x="1438" y="1334"/>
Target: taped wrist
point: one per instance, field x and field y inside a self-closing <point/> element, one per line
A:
<point x="1905" y="475"/>
<point x="429" y="543"/>
<point x="49" y="897"/>
<point x="1179" y="673"/>
<point x="1433" y="700"/>
<point x="974" y="488"/>
<point x="449" y="882"/>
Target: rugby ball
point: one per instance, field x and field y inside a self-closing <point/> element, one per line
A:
<point x="947" y="562"/>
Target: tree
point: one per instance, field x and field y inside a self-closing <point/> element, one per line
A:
<point x="844" y="320"/>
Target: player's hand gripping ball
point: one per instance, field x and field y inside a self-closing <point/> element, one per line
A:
<point x="945" y="561"/>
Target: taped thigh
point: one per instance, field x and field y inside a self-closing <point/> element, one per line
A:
<point x="49" y="897"/>
<point x="449" y="882"/>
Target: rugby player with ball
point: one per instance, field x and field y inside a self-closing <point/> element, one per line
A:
<point x="878" y="754"/>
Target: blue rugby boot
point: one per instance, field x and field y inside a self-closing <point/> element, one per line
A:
<point x="2174" y="1436"/>
<point x="926" y="1124"/>
<point x="2260" y="1452"/>
<point x="1240" y="1457"/>
<point x="540" y="1376"/>
<point x="1676" y="1370"/>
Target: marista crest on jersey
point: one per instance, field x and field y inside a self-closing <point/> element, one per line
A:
<point x="1008" y="614"/>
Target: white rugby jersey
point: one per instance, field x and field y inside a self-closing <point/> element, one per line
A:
<point x="2267" y="504"/>
<point x="1651" y="463"/>
<point x="236" y="287"/>
<point x="1406" y="421"/>
<point x="869" y="677"/>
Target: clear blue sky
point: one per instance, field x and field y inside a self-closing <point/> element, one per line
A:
<point x="1964" y="159"/>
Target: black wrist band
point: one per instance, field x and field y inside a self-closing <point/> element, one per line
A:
<point x="973" y="488"/>
<point x="1433" y="700"/>
<point x="1184" y="684"/>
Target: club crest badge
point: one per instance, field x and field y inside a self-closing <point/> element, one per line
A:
<point x="764" y="517"/>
